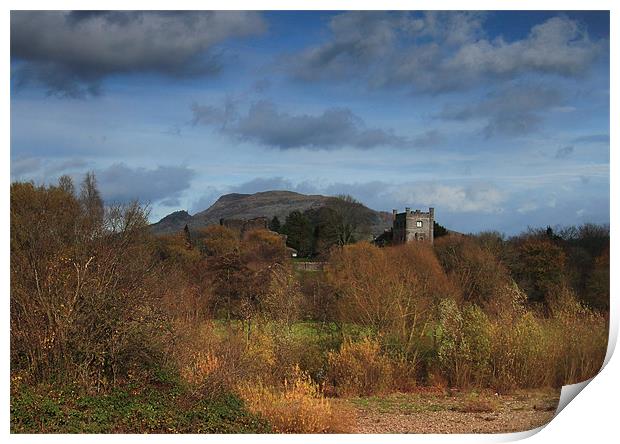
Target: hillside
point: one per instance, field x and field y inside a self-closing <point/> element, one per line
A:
<point x="247" y="206"/>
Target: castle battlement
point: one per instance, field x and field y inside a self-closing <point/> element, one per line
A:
<point x="412" y="225"/>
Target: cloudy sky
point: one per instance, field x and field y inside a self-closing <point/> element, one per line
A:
<point x="499" y="120"/>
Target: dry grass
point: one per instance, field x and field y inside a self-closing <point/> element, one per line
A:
<point x="298" y="407"/>
<point x="476" y="403"/>
<point x="534" y="351"/>
<point x="360" y="369"/>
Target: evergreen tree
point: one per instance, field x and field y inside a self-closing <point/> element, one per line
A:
<point x="299" y="232"/>
<point x="274" y="225"/>
<point x="439" y="230"/>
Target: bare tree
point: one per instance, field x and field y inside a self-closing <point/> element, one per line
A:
<point x="92" y="204"/>
<point x="348" y="220"/>
<point x="65" y="183"/>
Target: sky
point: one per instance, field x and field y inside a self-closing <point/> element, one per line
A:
<point x="498" y="120"/>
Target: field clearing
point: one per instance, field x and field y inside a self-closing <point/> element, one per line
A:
<point x="455" y="412"/>
<point x="169" y="409"/>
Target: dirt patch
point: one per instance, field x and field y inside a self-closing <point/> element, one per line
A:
<point x="452" y="412"/>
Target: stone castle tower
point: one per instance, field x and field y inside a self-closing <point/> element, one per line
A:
<point x="412" y="226"/>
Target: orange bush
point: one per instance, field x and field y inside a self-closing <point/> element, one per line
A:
<point x="359" y="369"/>
<point x="476" y="271"/>
<point x="298" y="407"/>
<point x="261" y="247"/>
<point x="216" y="240"/>
<point x="393" y="290"/>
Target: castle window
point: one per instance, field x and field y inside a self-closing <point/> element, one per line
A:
<point x="418" y="224"/>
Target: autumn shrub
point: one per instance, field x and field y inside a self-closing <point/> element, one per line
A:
<point x="391" y="290"/>
<point x="83" y="305"/>
<point x="298" y="406"/>
<point x="199" y="360"/>
<point x="249" y="278"/>
<point x="463" y="344"/>
<point x="597" y="284"/>
<point x="294" y="350"/>
<point x="186" y="292"/>
<point x="539" y="267"/>
<point x="263" y="246"/>
<point x="359" y="369"/>
<point x="216" y="240"/>
<point x="319" y="299"/>
<point x="519" y="353"/>
<point x="474" y="268"/>
<point x="405" y="374"/>
<point x="578" y="339"/>
<point x="216" y="358"/>
<point x="213" y="357"/>
<point x="282" y="299"/>
<point x="174" y="248"/>
<point x="535" y="350"/>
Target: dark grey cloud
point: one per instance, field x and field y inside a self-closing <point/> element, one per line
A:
<point x="511" y="111"/>
<point x="439" y="52"/>
<point x="357" y="38"/>
<point x="120" y="183"/>
<point x="264" y="123"/>
<point x="70" y="53"/>
<point x="333" y="128"/>
<point x="563" y="153"/>
<point x="218" y="116"/>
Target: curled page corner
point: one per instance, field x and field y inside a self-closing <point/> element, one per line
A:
<point x="569" y="392"/>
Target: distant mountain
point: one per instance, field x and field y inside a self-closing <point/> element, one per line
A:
<point x="247" y="206"/>
<point x="172" y="222"/>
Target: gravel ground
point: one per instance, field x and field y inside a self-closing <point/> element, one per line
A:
<point x="454" y="412"/>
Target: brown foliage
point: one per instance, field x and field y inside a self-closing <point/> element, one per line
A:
<point x="81" y="299"/>
<point x="262" y="248"/>
<point x="476" y="270"/>
<point x="92" y="294"/>
<point x="359" y="369"/>
<point x="217" y="240"/>
<point x="540" y="267"/>
<point x="392" y="290"/>
<point x="298" y="407"/>
<point x="597" y="286"/>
